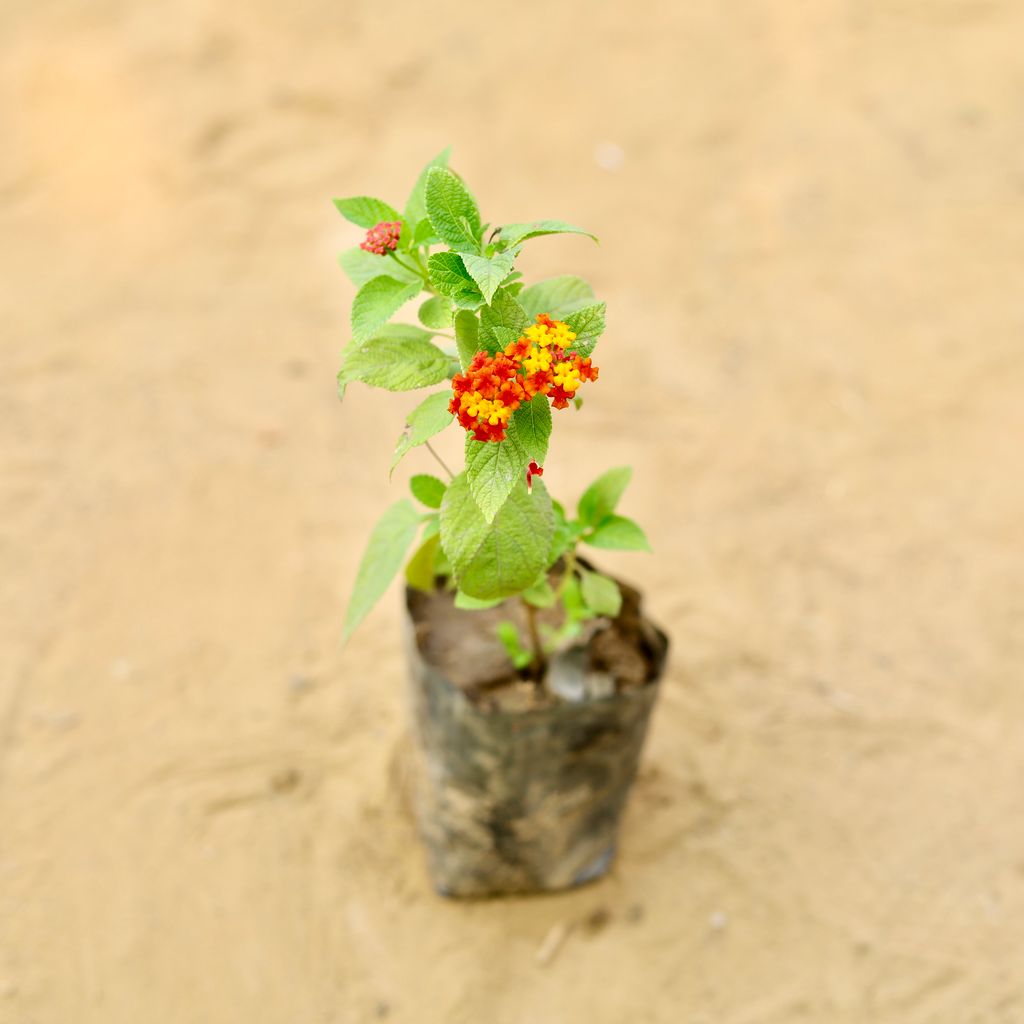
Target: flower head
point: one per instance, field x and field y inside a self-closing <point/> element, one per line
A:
<point x="382" y="237"/>
<point x="486" y="395"/>
<point x="532" y="470"/>
<point x="539" y="362"/>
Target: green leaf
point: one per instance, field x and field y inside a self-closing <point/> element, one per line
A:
<point x="588" y="325"/>
<point x="572" y="599"/>
<point x="405" y="332"/>
<point x="474" y="604"/>
<point x="388" y="544"/>
<point x="601" y="497"/>
<point x="557" y="296"/>
<point x="489" y="272"/>
<point x="540" y="595"/>
<point x="449" y="276"/>
<point x="416" y="207"/>
<point x="366" y="211"/>
<point x="430" y="417"/>
<point x="395" y="364"/>
<point x="427" y="489"/>
<point x="437" y="312"/>
<point x="493" y="468"/>
<point x="419" y="572"/>
<point x="467" y="336"/>
<point x="507" y="633"/>
<point x="617" y="533"/>
<point x="423" y="233"/>
<point x="601" y="593"/>
<point x="514" y="233"/>
<point x="504" y="312"/>
<point x="452" y="210"/>
<point x="564" y="536"/>
<point x="376" y="302"/>
<point x="533" y="427"/>
<point x="362" y="266"/>
<point x="505" y="556"/>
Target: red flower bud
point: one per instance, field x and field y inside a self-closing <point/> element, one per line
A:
<point x="382" y="237"/>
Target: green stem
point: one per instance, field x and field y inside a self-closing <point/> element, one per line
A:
<point x="539" y="662"/>
<point x="441" y="462"/>
<point x="570" y="569"/>
<point x="412" y="270"/>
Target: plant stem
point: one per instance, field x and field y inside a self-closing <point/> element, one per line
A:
<point x="570" y="568"/>
<point x="430" y="448"/>
<point x="539" y="662"/>
<point x="413" y="270"/>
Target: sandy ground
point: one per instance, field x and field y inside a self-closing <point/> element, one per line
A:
<point x="812" y="252"/>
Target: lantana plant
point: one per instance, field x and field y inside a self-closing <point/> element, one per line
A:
<point x="502" y="355"/>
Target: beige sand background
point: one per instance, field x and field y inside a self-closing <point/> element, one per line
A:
<point x="812" y="218"/>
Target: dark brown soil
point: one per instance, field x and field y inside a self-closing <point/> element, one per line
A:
<point x="463" y="645"/>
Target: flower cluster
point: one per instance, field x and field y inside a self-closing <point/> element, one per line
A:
<point x="486" y="395"/>
<point x="382" y="237"/>
<point x="537" y="363"/>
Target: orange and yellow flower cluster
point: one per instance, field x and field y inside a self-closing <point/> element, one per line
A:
<point x="539" y="362"/>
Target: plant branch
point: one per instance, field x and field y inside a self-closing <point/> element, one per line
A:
<point x="430" y="448"/>
<point x="539" y="662"/>
<point x="411" y="269"/>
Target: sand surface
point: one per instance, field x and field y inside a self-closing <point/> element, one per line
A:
<point x="812" y="217"/>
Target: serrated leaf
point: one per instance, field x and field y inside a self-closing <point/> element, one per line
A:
<point x="427" y="489"/>
<point x="467" y="336"/>
<point x="419" y="571"/>
<point x="533" y="427"/>
<point x="430" y="417"/>
<point x="472" y="604"/>
<point x="600" y="593"/>
<point x="436" y="312"/>
<point x="505" y="556"/>
<point x="514" y="233"/>
<point x="376" y="302"/>
<point x="504" y="312"/>
<point x="493" y="468"/>
<point x="452" y="210"/>
<point x="601" y="497"/>
<point x="361" y="266"/>
<point x="389" y="541"/>
<point x="449" y="276"/>
<point x="416" y="207"/>
<point x="617" y="533"/>
<point x="395" y="364"/>
<point x="366" y="211"/>
<point x="588" y="325"/>
<point x="557" y="296"/>
<point x="489" y="272"/>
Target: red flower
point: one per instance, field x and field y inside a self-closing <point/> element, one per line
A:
<point x="382" y="237"/>
<point x="531" y="471"/>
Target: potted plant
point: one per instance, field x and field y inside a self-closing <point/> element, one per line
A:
<point x="533" y="674"/>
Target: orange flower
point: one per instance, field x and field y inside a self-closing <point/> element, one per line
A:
<point x="486" y="395"/>
<point x="539" y="362"/>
